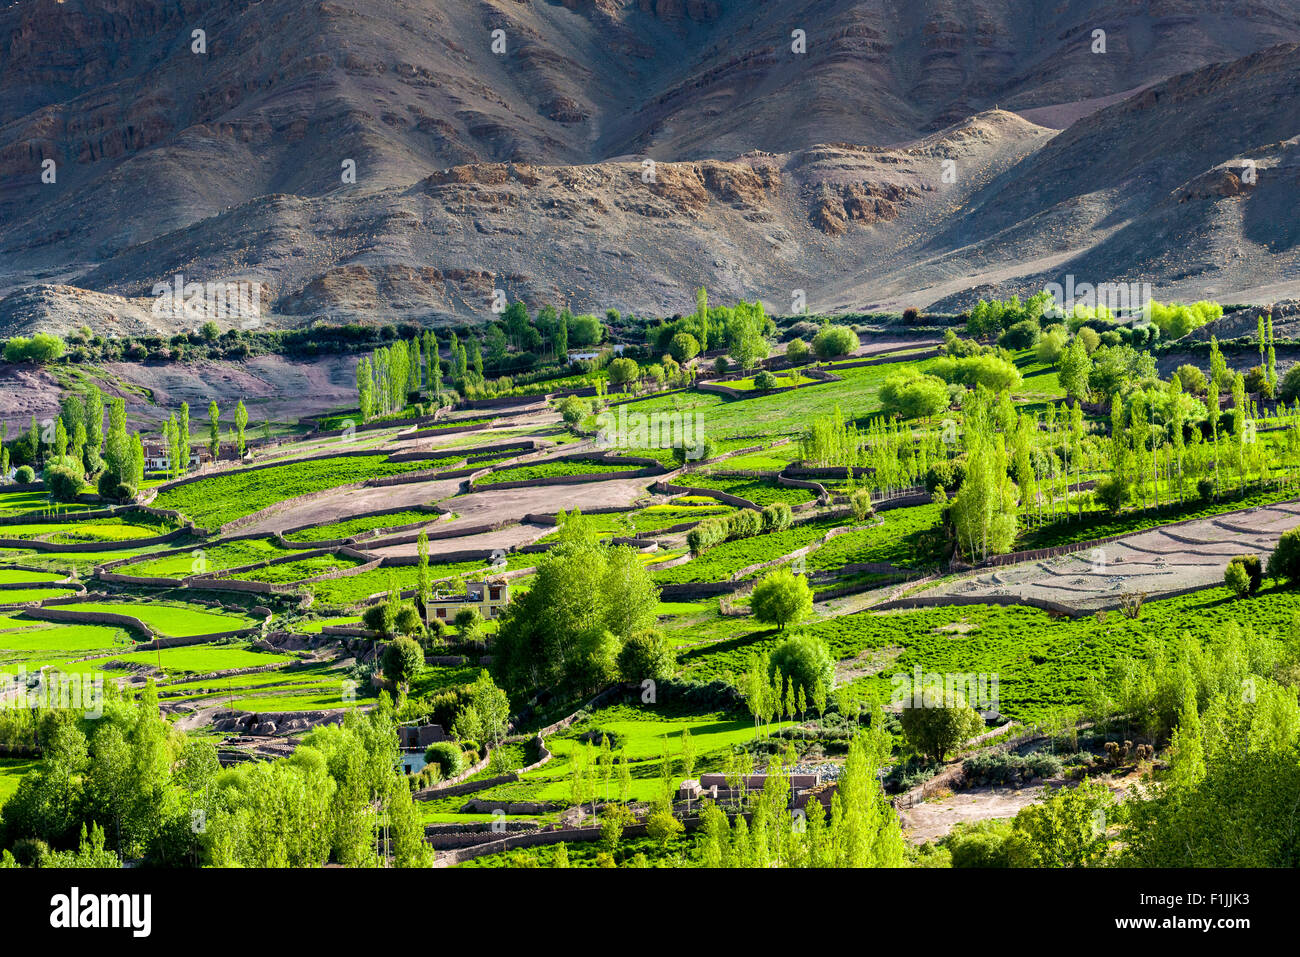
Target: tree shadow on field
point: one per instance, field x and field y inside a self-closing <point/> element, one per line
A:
<point x="726" y="645"/>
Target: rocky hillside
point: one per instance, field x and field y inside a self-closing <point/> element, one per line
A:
<point x="521" y="168"/>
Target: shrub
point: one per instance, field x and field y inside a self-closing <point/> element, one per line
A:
<point x="860" y="502"/>
<point x="797" y="351"/>
<point x="1235" y="577"/>
<point x="1288" y="390"/>
<point x="379" y="618"/>
<point x="470" y="624"/>
<point x="990" y="371"/>
<point x="777" y="517"/>
<point x="832" y="341"/>
<point x="25" y="475"/>
<point x="745" y="523"/>
<point x="1021" y="335"/>
<point x="42" y="347"/>
<point x="1090" y="339"/>
<point x="1251" y="569"/>
<point x="573" y="410"/>
<point x="765" y="381"/>
<point x="699" y="452"/>
<point x="646" y="654"/>
<point x="721" y="365"/>
<point x="988" y="844"/>
<point x="1191" y="379"/>
<point x="1285" y="560"/>
<point x="446" y="757"/>
<point x="110" y="488"/>
<point x="946" y="475"/>
<point x="1257" y="383"/>
<point x="1051" y="347"/>
<point x="1205" y="489"/>
<point x="914" y="395"/>
<point x="408" y="621"/>
<point x="1004" y="767"/>
<point x="64" y="484"/>
<point x="1112" y="492"/>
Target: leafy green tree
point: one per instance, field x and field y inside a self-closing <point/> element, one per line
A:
<point x="1051" y="347"/>
<point x="936" y="720"/>
<point x="833" y="341"/>
<point x="1284" y="563"/>
<point x="684" y="347"/>
<point x="647" y="654"/>
<point x="1068" y="827"/>
<point x="782" y="598"/>
<point x="403" y="660"/>
<point x="1237" y="579"/>
<point x="241" y="421"/>
<point x="797" y="351"/>
<point x="914" y="395"/>
<point x="214" y="430"/>
<point x="559" y="632"/>
<point x="1076" y="368"/>
<point x="801" y="664"/>
<point x="623" y="372"/>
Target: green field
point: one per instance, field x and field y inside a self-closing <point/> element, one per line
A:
<point x="11" y="772"/>
<point x="201" y="659"/>
<point x="17" y="596"/>
<point x="175" y="620"/>
<point x="32" y="643"/>
<point x="287" y="572"/>
<point x="720" y="562"/>
<point x="351" y="527"/>
<point x="783" y="413"/>
<point x="212" y="502"/>
<point x="759" y="491"/>
<point x="9" y="576"/>
<point x="529" y="473"/>
<point x="902" y="538"/>
<point x="90" y="530"/>
<point x="215" y="558"/>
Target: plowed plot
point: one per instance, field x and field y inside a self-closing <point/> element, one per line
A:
<point x="1159" y="561"/>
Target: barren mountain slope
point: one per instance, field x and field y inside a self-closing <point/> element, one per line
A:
<point x="170" y="160"/>
<point x="586" y="236"/>
<point x="1187" y="185"/>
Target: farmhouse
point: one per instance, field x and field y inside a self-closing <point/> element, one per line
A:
<point x="716" y="787"/>
<point x="488" y="597"/>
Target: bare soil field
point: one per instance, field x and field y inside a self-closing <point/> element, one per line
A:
<point x="1157" y="561"/>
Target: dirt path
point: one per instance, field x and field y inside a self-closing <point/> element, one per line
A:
<point x="932" y="820"/>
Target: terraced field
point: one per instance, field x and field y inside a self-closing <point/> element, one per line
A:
<point x="1156" y="562"/>
<point x="177" y="620"/>
<point x="219" y="499"/>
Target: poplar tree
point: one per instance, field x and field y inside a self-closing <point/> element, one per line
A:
<point x="241" y="420"/>
<point x="214" y="430"/>
<point x="183" y="437"/>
